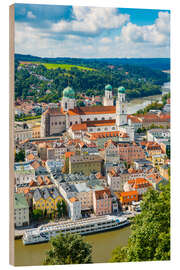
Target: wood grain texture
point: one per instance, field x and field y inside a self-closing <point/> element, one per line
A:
<point x="11" y="135"/>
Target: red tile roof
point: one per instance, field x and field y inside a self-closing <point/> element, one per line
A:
<point x="92" y="110"/>
<point x="99" y="194"/>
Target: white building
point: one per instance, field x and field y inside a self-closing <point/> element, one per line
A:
<point x="108" y="98"/>
<point x="24" y="173"/>
<point x="21" y="210"/>
<point x="74" y="208"/>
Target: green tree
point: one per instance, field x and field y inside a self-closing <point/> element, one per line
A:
<point x="20" y="156"/>
<point x="150" y="230"/>
<point x="61" y="209"/>
<point x="37" y="214"/>
<point x="68" y="249"/>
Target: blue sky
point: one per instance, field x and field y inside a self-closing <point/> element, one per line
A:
<point x="66" y="31"/>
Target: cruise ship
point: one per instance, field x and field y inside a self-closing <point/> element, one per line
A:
<point x="83" y="227"/>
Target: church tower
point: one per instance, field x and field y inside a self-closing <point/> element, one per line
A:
<point x="108" y="98"/>
<point x="121" y="108"/>
<point x="68" y="100"/>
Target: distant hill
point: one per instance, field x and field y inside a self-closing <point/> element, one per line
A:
<point x="153" y="63"/>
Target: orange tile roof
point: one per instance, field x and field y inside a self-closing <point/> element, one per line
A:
<point x="40" y="181"/>
<point x="30" y="157"/>
<point x="77" y="127"/>
<point x="26" y="190"/>
<point x="92" y="110"/>
<point x="99" y="194"/>
<point x="97" y="135"/>
<point x="73" y="199"/>
<point x="69" y="154"/>
<point x="129" y="193"/>
<point x="32" y="183"/>
<point x="48" y="181"/>
<point x="138" y="181"/>
<point x="100" y="123"/>
<point x="35" y="164"/>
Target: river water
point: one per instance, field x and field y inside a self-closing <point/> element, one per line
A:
<point x="103" y="245"/>
<point x="140" y="103"/>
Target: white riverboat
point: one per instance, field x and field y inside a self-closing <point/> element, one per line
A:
<point x="83" y="227"/>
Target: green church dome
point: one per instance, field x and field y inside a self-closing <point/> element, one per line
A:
<point x="121" y="90"/>
<point x="68" y="92"/>
<point x="108" y="87"/>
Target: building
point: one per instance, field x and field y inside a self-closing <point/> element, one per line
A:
<point x="117" y="178"/>
<point x="56" y="152"/>
<point x="156" y="180"/>
<point x="85" y="195"/>
<point x="108" y="98"/>
<point x="102" y="202"/>
<point x="154" y="134"/>
<point x="148" y="120"/>
<point x="21" y="210"/>
<point x="158" y="160"/>
<point x="100" y="138"/>
<point x="164" y="171"/>
<point x="22" y="134"/>
<point x="77" y="120"/>
<point x="127" y="197"/>
<point x="85" y="164"/>
<point x="141" y="185"/>
<point x="46" y="198"/>
<point x="74" y="208"/>
<point x="36" y="133"/>
<point x="126" y="151"/>
<point x="153" y="148"/>
<point x="24" y="173"/>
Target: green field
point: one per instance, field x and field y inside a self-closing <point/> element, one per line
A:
<point x="54" y="65"/>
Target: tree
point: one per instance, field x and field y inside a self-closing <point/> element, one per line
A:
<point x="37" y="214"/>
<point x="150" y="230"/>
<point x="61" y="208"/>
<point x="20" y="156"/>
<point x="68" y="249"/>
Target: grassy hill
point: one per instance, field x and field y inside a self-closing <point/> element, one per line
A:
<point x="55" y="65"/>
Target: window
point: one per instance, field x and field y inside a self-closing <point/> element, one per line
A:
<point x="59" y="123"/>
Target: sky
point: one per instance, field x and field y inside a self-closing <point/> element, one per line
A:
<point x="91" y="32"/>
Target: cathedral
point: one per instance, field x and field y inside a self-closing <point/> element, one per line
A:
<point x="93" y="119"/>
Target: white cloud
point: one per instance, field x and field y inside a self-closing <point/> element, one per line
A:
<point x="133" y="41"/>
<point x="106" y="40"/>
<point x="30" y="15"/>
<point x="156" y="34"/>
<point x="90" y="20"/>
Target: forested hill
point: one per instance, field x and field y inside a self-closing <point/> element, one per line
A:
<point x="43" y="79"/>
<point x="154" y="63"/>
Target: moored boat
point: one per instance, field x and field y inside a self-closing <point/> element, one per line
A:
<point x="83" y="227"/>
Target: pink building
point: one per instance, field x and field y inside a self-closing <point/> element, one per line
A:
<point x="102" y="202"/>
<point x="130" y="152"/>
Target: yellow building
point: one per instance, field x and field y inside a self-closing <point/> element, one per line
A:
<point x="46" y="198"/>
<point x="36" y="131"/>
<point x="158" y="160"/>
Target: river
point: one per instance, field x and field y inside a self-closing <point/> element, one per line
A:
<point x="103" y="245"/>
<point x="140" y="103"/>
